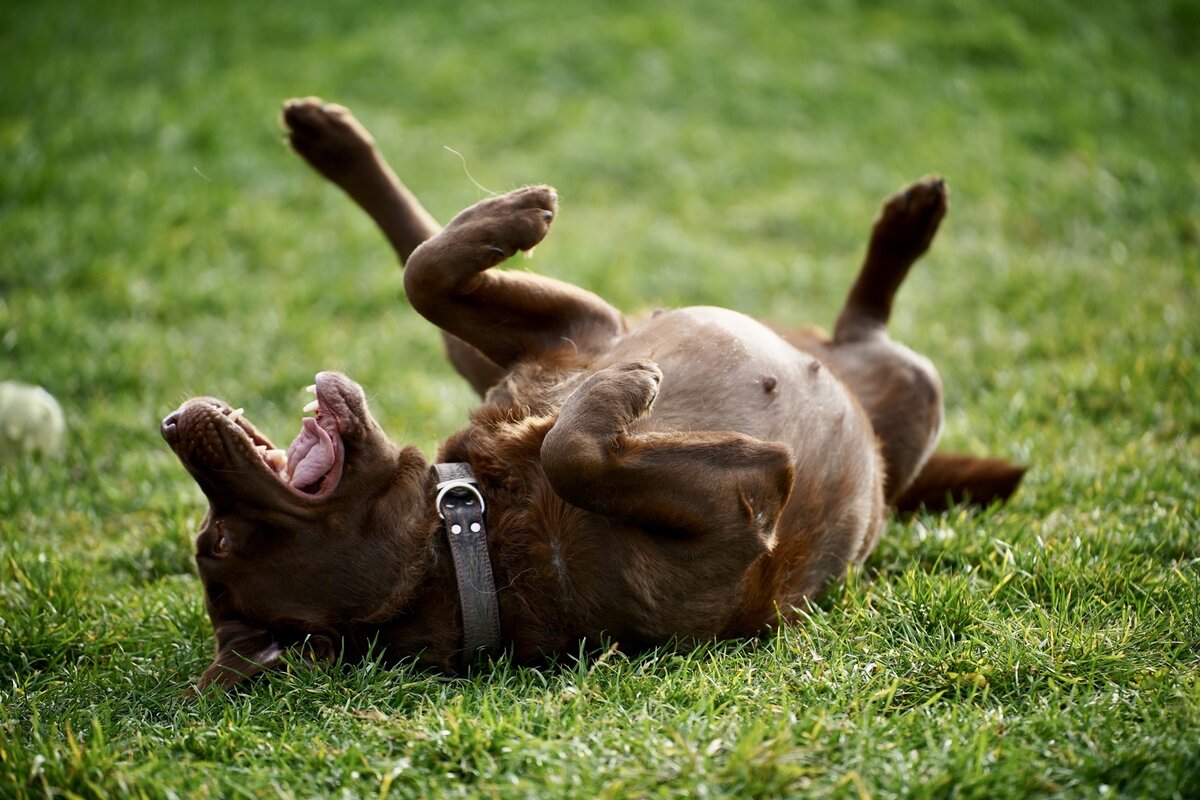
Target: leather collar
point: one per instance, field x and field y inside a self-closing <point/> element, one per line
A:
<point x="460" y="505"/>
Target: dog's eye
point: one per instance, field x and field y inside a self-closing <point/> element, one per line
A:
<point x="221" y="544"/>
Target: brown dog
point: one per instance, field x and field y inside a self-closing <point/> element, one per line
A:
<point x="688" y="477"/>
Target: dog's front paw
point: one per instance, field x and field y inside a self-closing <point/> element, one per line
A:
<point x="911" y="217"/>
<point x="639" y="382"/>
<point x="612" y="399"/>
<point x="509" y="223"/>
<point x="327" y="136"/>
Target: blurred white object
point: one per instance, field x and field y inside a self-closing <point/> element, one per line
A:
<point x="31" y="422"/>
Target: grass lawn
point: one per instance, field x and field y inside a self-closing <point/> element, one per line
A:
<point x="157" y="241"/>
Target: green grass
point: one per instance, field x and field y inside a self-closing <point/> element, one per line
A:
<point x="157" y="241"/>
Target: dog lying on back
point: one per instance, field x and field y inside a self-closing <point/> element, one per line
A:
<point x="693" y="476"/>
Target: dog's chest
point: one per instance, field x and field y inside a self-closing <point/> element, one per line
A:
<point x="567" y="573"/>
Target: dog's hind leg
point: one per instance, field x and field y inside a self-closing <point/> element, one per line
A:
<point x="337" y="146"/>
<point x="899" y="389"/>
<point x="507" y="315"/>
<point x="902" y="233"/>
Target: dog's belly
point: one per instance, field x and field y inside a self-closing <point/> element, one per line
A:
<point x="725" y="371"/>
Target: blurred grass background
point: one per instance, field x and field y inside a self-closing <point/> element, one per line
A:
<point x="158" y="241"/>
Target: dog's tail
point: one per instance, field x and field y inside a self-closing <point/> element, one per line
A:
<point x="948" y="480"/>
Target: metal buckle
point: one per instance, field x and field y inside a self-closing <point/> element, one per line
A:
<point x="445" y="487"/>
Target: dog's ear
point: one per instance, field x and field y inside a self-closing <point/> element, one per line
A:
<point x="243" y="651"/>
<point x="948" y="480"/>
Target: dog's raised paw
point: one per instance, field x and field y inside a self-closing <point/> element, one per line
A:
<point x="327" y="136"/>
<point x="508" y="223"/>
<point x="911" y="217"/>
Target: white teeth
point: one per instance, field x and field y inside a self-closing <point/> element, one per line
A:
<point x="313" y="406"/>
<point x="276" y="459"/>
<point x="236" y="414"/>
<point x="311" y="389"/>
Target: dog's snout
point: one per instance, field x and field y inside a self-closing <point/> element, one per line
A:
<point x="170" y="427"/>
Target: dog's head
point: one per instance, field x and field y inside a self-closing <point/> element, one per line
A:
<point x="297" y="544"/>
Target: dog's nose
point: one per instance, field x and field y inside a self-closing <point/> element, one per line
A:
<point x="170" y="427"/>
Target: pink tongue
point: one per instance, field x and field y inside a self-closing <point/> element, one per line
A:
<point x="310" y="456"/>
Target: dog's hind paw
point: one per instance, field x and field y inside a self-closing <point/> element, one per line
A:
<point x="910" y="218"/>
<point x="327" y="136"/>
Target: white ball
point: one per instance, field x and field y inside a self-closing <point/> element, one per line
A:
<point x="31" y="422"/>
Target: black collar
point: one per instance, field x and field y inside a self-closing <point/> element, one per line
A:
<point x="460" y="505"/>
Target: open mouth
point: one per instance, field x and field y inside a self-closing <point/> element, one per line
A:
<point x="310" y="467"/>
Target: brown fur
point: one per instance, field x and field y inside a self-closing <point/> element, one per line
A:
<point x="689" y="477"/>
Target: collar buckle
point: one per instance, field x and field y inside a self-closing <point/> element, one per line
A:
<point x="458" y="487"/>
<point x="460" y="505"/>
